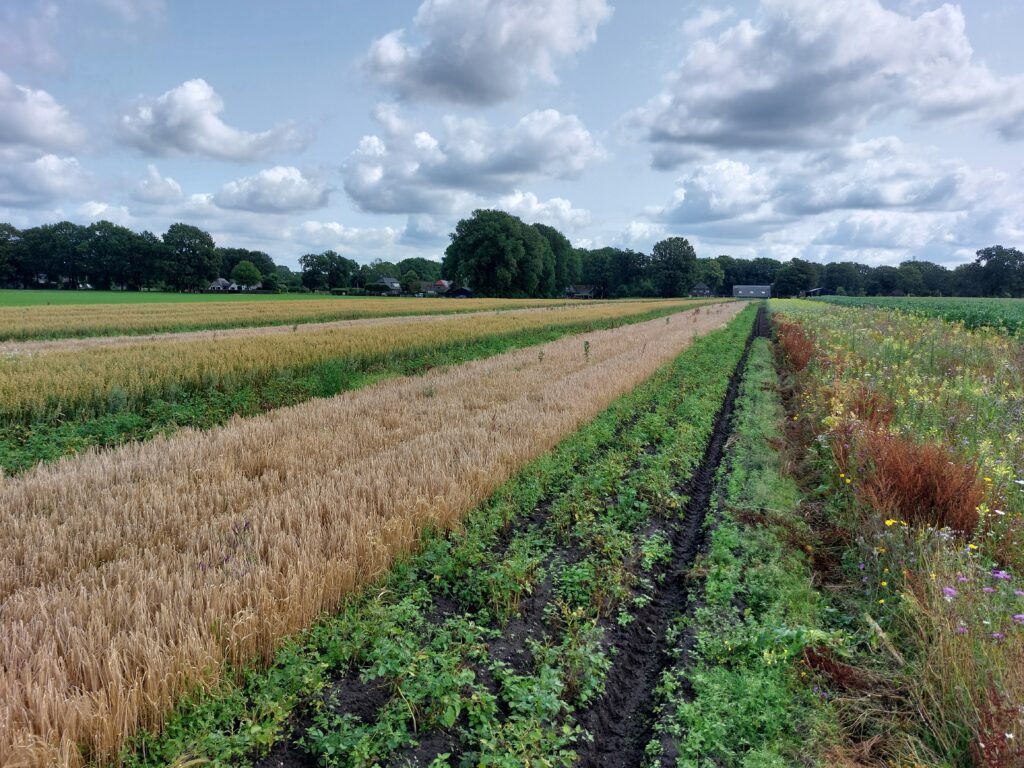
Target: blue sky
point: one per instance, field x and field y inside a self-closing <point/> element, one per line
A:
<point x="853" y="129"/>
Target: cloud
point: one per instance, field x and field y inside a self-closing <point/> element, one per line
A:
<point x="157" y="189"/>
<point x="26" y="35"/>
<point x="331" y="234"/>
<point x="94" y="210"/>
<point x="185" y="120"/>
<point x="27" y="181"/>
<point x="33" y="118"/>
<point x="803" y="74"/>
<point x="132" y="11"/>
<point x="707" y="18"/>
<point x="410" y="171"/>
<point x="483" y="51"/>
<point x="274" y="190"/>
<point x="557" y="212"/>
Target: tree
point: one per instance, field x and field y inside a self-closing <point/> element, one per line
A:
<point x="411" y="282"/>
<point x="193" y="257"/>
<point x="327" y="270"/>
<point x="425" y="268"/>
<point x="798" y="275"/>
<point x="10" y="252"/>
<point x="566" y="259"/>
<point x="908" y="279"/>
<point x="883" y="281"/>
<point x="487" y="253"/>
<point x="246" y="274"/>
<point x="673" y="263"/>
<point x="709" y="272"/>
<point x="843" y="275"/>
<point x="230" y="258"/>
<point x="106" y="253"/>
<point x="1003" y="270"/>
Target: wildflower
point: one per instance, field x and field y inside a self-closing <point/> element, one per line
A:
<point x="890" y="522"/>
<point x="847" y="481"/>
<point x="961" y="578"/>
<point x="972" y="546"/>
<point x="1001" y="575"/>
<point x="1019" y="592"/>
<point x="860" y="566"/>
<point x="961" y="629"/>
<point x="998" y="636"/>
<point x="881" y="601"/>
<point x="885" y="583"/>
<point x="949" y="593"/>
<point x="988" y="590"/>
<point x="1018" y="618"/>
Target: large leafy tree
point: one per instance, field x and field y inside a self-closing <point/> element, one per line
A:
<point x="426" y="269"/>
<point x="673" y="263"/>
<point x="327" y="270"/>
<point x="566" y="258"/>
<point x="246" y="273"/>
<point x="231" y="257"/>
<point x="10" y="252"/>
<point x="1003" y="270"/>
<point x="106" y="252"/>
<point x="193" y="257"/>
<point x="709" y="272"/>
<point x="487" y="253"/>
<point x="795" y="276"/>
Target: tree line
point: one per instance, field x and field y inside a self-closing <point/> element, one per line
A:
<point x="492" y="252"/>
<point x="107" y="256"/>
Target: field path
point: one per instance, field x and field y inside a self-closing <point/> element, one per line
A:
<point x="126" y="576"/>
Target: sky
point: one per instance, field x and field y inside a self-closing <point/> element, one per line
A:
<point x="844" y="130"/>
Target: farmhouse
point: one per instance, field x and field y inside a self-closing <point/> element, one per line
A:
<point x="391" y="283"/>
<point x="752" y="291"/>
<point x="459" y="293"/>
<point x="580" y="292"/>
<point x="700" y="289"/>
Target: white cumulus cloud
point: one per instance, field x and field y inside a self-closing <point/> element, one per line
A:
<point x="186" y="120"/>
<point x="274" y="190"/>
<point x="483" y="51"/>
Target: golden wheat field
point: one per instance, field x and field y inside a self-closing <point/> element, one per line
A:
<point x="72" y="376"/>
<point x="50" y="321"/>
<point x="130" y="575"/>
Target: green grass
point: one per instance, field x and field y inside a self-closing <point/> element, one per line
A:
<point x="602" y="486"/>
<point x="32" y="298"/>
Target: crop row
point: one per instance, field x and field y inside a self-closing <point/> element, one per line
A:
<point x="80" y="320"/>
<point x="912" y="454"/>
<point x="131" y="576"/>
<point x="62" y="402"/>
<point x="1000" y="314"/>
<point x="491" y="645"/>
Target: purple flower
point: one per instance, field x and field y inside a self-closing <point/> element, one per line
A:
<point x="961" y="578"/>
<point x="949" y="593"/>
<point x="1019" y="618"/>
<point x="961" y="630"/>
<point x="988" y="590"/>
<point x="998" y="636"/>
<point x="860" y="566"/>
<point x="1001" y="575"/>
<point x="1019" y="592"/>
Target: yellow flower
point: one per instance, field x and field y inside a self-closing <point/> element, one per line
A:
<point x="842" y="474"/>
<point x="972" y="546"/>
<point x="890" y="522"/>
<point x="885" y="583"/>
<point x="882" y="600"/>
<point x="847" y="481"/>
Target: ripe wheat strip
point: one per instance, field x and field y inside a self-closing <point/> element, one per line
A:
<point x="130" y="575"/>
<point x="46" y="321"/>
<point x="15" y="348"/>
<point x="90" y="379"/>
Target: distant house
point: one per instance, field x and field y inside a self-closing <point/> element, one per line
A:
<point x="440" y="286"/>
<point x="459" y="293"/>
<point x="817" y="292"/>
<point x="751" y="291"/>
<point x="700" y="289"/>
<point x="393" y="285"/>
<point x="426" y="288"/>
<point x="580" y="291"/>
<point x="220" y="284"/>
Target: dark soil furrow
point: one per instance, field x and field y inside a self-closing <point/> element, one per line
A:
<point x="621" y="721"/>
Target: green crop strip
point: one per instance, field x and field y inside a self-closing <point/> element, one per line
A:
<point x="740" y="697"/>
<point x="26" y="442"/>
<point x="488" y="641"/>
<point x="1004" y="315"/>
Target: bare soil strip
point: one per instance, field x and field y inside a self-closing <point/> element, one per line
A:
<point x="129" y="575"/>
<point x="620" y="722"/>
